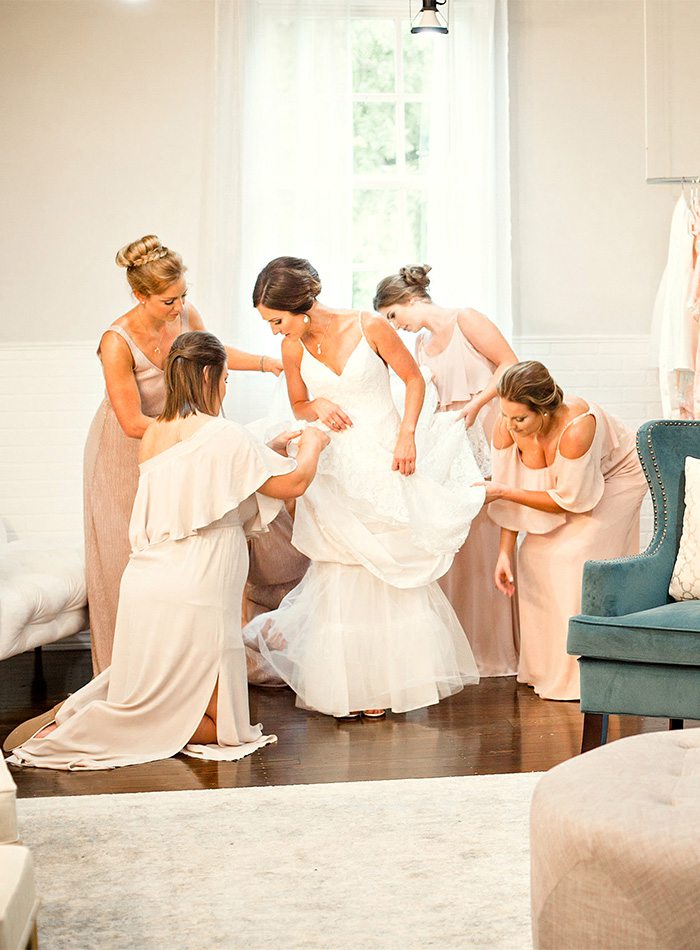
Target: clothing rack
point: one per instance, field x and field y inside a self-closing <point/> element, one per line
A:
<point x="685" y="180"/>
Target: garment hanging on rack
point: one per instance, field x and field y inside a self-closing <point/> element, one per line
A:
<point x="675" y="316"/>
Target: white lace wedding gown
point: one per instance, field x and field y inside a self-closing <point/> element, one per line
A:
<point x="368" y="627"/>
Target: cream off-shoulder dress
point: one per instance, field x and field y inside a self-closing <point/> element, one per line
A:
<point x="178" y="630"/>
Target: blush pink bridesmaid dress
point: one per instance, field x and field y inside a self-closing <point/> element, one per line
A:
<point x="601" y="493"/>
<point x="110" y="479"/>
<point x="489" y="619"/>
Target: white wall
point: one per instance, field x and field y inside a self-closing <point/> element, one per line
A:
<point x="107" y="110"/>
<point x="589" y="236"/>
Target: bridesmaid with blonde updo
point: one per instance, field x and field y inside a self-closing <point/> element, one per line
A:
<point x="466" y="354"/>
<point x="567" y="474"/>
<point x="132" y="352"/>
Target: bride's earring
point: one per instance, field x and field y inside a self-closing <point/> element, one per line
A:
<point x="307" y="319"/>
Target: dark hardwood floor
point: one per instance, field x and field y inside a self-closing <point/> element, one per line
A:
<point x="497" y="726"/>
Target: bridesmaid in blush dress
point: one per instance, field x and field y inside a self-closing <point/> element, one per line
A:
<point x="567" y="474"/>
<point x="132" y="352"/>
<point x="177" y="682"/>
<point x="466" y="354"/>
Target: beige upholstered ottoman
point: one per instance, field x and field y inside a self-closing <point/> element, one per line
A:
<point x="615" y="839"/>
<point x="18" y="900"/>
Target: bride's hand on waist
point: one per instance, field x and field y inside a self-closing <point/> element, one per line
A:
<point x="404" y="454"/>
<point x="330" y="414"/>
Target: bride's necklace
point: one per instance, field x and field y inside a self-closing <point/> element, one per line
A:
<point x="318" y="345"/>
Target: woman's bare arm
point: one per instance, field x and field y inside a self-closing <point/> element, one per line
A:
<point x="237" y="359"/>
<point x="118" y="369"/>
<point x="387" y="344"/>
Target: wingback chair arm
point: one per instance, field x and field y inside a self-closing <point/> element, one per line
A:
<point x="626" y="585"/>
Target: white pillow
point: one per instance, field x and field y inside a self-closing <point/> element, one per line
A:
<point x="685" y="580"/>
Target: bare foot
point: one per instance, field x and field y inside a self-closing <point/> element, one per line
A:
<point x="47" y="730"/>
<point x="374" y="713"/>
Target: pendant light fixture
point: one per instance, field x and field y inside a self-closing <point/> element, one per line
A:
<point x="429" y="19"/>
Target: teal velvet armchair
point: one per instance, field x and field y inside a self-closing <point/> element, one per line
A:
<point x="640" y="650"/>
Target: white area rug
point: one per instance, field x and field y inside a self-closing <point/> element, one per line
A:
<point x="403" y="864"/>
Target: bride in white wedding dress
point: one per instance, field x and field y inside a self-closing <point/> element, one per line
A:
<point x="368" y="628"/>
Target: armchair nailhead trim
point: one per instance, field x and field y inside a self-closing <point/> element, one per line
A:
<point x="660" y="519"/>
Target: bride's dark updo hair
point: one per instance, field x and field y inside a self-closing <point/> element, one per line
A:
<point x="531" y="384"/>
<point x="411" y="283"/>
<point x="287" y="283"/>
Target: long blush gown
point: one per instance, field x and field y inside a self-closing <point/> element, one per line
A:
<point x="601" y="493"/>
<point x="490" y="620"/>
<point x="178" y="629"/>
<point x="110" y="479"/>
<point x="368" y="627"/>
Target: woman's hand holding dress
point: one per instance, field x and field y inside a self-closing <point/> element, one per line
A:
<point x="469" y="413"/>
<point x="404" y="454"/>
<point x="314" y="438"/>
<point x="330" y="414"/>
<point x="495" y="491"/>
<point x="280" y="443"/>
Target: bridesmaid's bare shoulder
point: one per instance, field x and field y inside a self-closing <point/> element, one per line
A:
<point x="501" y="438"/>
<point x="577" y="438"/>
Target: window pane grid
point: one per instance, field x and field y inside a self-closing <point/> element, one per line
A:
<point x="389" y="190"/>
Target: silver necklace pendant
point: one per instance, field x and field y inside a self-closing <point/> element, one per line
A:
<point x="318" y="349"/>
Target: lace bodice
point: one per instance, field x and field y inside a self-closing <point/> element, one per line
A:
<point x="362" y="389"/>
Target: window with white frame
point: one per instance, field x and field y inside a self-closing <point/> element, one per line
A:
<point x="391" y="71"/>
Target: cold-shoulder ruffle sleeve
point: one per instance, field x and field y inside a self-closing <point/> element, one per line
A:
<point x="508" y="469"/>
<point x="579" y="483"/>
<point x="198" y="481"/>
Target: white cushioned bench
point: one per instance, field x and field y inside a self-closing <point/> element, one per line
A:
<point x="42" y="594"/>
<point x="19" y="903"/>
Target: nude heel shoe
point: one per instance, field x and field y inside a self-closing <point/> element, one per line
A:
<point x="26" y="730"/>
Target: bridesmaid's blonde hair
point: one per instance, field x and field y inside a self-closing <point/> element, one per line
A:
<point x="150" y="267"/>
<point x="531" y="384"/>
<point x="188" y="389"/>
<point x="409" y="284"/>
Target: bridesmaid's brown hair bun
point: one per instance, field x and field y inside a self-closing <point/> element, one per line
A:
<point x="416" y="275"/>
<point x="150" y="267"/>
<point x="531" y="384"/>
<point x="410" y="283"/>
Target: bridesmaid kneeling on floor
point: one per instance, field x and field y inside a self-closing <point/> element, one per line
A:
<point x="566" y="473"/>
<point x="178" y="676"/>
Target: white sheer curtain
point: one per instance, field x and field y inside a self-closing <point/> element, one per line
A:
<point x="469" y="193"/>
<point x="283" y="154"/>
